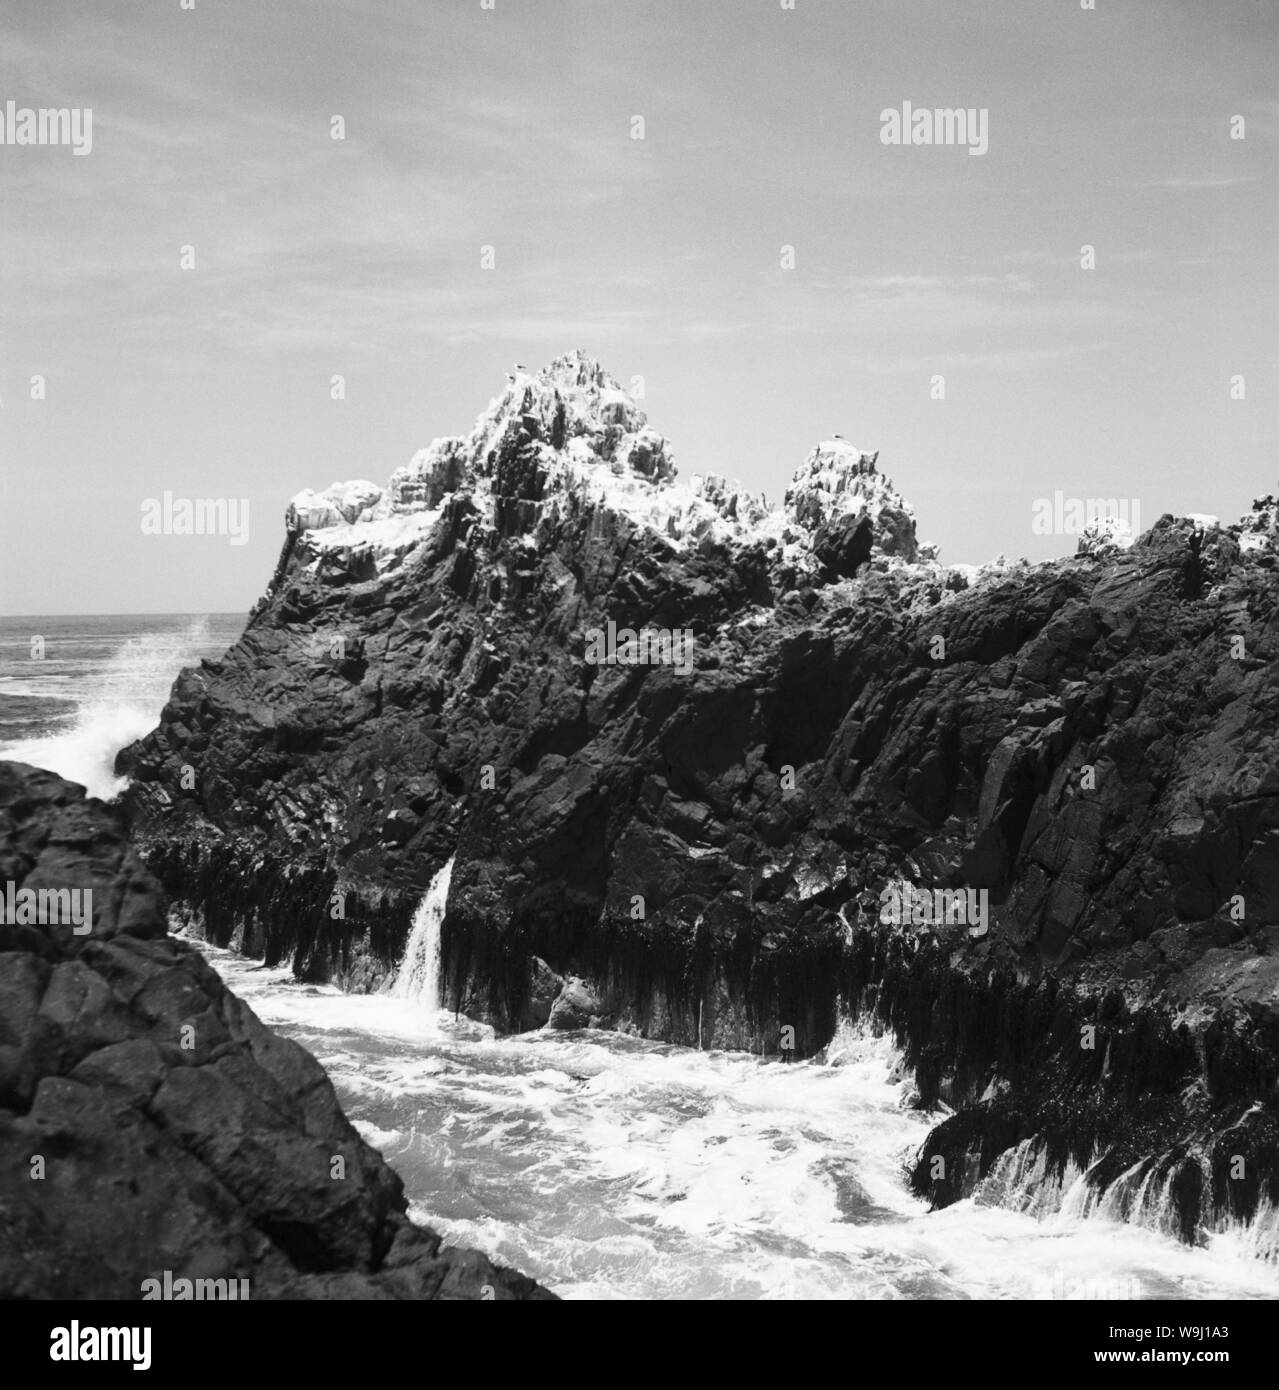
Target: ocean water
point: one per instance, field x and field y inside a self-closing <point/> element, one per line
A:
<point x="606" y="1166"/>
<point x="75" y="690"/>
<point x="613" y="1168"/>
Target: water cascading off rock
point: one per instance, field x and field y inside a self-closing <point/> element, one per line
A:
<point x="419" y="974"/>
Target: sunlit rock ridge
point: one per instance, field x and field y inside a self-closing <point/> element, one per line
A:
<point x="569" y="437"/>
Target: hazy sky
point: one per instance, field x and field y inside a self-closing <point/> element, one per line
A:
<point x="512" y="127"/>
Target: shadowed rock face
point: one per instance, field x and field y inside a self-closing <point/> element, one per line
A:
<point x="149" y="1122"/>
<point x="702" y="854"/>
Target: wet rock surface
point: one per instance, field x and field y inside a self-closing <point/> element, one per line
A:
<point x="1089" y="741"/>
<point x="150" y="1123"/>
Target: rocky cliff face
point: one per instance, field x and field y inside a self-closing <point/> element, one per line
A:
<point x="150" y="1124"/>
<point x="698" y="850"/>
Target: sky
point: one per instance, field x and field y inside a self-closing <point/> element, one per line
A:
<point x="513" y="127"/>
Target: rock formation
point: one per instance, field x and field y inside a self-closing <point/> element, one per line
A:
<point x="150" y="1124"/>
<point x="1088" y="741"/>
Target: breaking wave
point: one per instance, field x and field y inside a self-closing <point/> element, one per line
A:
<point x="120" y="703"/>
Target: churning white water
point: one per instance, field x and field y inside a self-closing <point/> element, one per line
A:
<point x="118" y="701"/>
<point x="609" y="1167"/>
<point x="418" y="977"/>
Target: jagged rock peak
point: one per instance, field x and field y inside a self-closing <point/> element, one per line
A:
<point x="573" y="399"/>
<point x="839" y="488"/>
<point x="577" y="369"/>
<point x="571" y="429"/>
<point x="571" y="412"/>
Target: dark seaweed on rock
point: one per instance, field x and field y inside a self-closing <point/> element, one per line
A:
<point x="1089" y="742"/>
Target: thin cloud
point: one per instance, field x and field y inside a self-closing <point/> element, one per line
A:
<point x="1208" y="183"/>
<point x="1011" y="360"/>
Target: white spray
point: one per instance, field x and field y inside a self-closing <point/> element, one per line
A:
<point x="419" y="973"/>
<point x="123" y="704"/>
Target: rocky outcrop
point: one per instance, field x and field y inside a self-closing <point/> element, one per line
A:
<point x="698" y="853"/>
<point x="1103" y="535"/>
<point x="340" y="504"/>
<point x="149" y="1124"/>
<point x="838" y="493"/>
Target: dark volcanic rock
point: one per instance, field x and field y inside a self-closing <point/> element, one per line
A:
<point x="1089" y="741"/>
<point x="149" y="1122"/>
<point x="544" y="989"/>
<point x="575" y="1007"/>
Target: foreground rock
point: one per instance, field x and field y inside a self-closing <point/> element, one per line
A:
<point x="150" y="1123"/>
<point x="698" y="851"/>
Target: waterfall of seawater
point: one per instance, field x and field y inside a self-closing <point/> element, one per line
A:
<point x="1024" y="1180"/>
<point x="419" y="973"/>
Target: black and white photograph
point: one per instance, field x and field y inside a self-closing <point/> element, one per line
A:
<point x="638" y="664"/>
